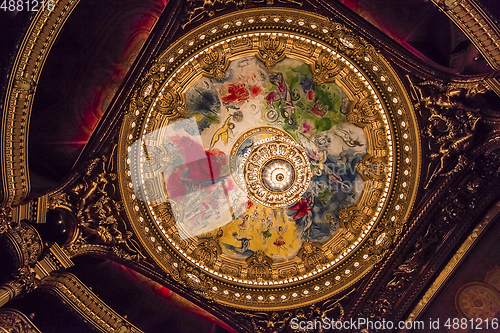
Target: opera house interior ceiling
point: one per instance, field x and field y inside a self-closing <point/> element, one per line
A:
<point x="250" y="166"/>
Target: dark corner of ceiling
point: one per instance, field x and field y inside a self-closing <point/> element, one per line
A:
<point x="86" y="65"/>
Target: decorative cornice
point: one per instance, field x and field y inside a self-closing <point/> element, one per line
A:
<point x="476" y="25"/>
<point x="87" y="304"/>
<point x="19" y="97"/>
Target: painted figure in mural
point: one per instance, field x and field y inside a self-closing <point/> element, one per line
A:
<point x="284" y="95"/>
<point x="223" y="132"/>
<point x="266" y="225"/>
<point x="280" y="241"/>
<point x="303" y="210"/>
<point x="243" y="225"/>
<point x="245" y="243"/>
<point x="316" y="150"/>
<point x="347" y="136"/>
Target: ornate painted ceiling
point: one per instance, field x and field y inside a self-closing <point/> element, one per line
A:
<point x="241" y="165"/>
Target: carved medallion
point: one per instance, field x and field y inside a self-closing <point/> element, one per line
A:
<point x="276" y="171"/>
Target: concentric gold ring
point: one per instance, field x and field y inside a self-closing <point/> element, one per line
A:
<point x="277" y="171"/>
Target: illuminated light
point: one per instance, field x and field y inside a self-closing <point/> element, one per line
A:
<point x="356" y="264"/>
<point x="337" y="278"/>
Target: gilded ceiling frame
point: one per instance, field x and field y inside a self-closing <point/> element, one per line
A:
<point x="20" y="94"/>
<point x="81" y="299"/>
<point x="157" y="101"/>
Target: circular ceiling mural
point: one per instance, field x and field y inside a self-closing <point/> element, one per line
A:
<point x="269" y="159"/>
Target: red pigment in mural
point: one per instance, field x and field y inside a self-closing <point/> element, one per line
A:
<point x="207" y="167"/>
<point x="302" y="208"/>
<point x="316" y="110"/>
<point x="255" y="91"/>
<point x="235" y="93"/>
<point x="310" y="95"/>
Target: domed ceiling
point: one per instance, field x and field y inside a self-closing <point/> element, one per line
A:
<point x="263" y="159"/>
<point x="269" y="157"/>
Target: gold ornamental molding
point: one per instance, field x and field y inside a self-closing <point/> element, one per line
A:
<point x="279" y="262"/>
<point x="21" y="88"/>
<point x="302" y="71"/>
<point x="87" y="304"/>
<point x="476" y="25"/>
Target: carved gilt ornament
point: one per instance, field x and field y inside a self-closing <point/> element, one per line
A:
<point x="379" y="108"/>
